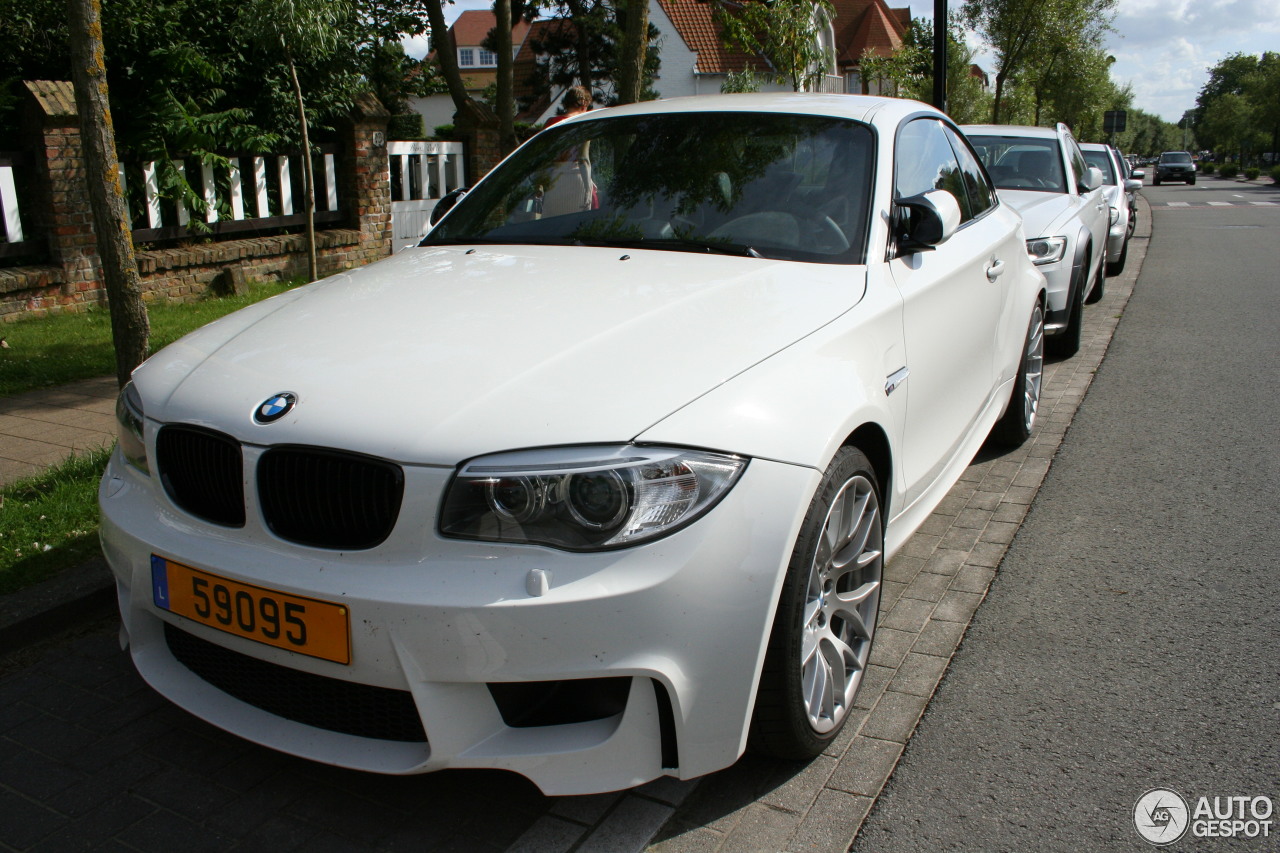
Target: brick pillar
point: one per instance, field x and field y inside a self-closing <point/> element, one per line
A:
<point x="479" y="134"/>
<point x="61" y="210"/>
<point x="365" y="180"/>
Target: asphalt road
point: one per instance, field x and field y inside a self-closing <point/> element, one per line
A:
<point x="1131" y="638"/>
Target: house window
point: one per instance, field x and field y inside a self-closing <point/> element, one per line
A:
<point x="467" y="57"/>
<point x="853" y="83"/>
<point x="488" y="58"/>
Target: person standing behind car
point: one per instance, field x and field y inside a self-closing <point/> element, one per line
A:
<point x="576" y="101"/>
<point x="584" y="195"/>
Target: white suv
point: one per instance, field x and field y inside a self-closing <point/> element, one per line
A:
<point x="1041" y="173"/>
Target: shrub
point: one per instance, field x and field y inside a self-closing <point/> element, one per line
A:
<point x="1207" y="168"/>
<point x="405" y="126"/>
<point x="1251" y="173"/>
<point x="444" y="131"/>
<point x="1228" y="170"/>
<point x="1275" y="174"/>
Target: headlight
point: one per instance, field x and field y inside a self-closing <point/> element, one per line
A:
<point x="585" y="498"/>
<point x="1046" y="250"/>
<point x="129" y="417"/>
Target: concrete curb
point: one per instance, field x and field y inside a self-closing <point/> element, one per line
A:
<point x="72" y="596"/>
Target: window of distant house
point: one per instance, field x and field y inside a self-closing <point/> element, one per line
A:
<point x="488" y="58"/>
<point x="467" y="57"/>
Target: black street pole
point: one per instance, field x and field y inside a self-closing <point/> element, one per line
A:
<point x="940" y="54"/>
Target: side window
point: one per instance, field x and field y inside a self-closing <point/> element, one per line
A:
<point x="1077" y="162"/>
<point x="982" y="196"/>
<point x="924" y="161"/>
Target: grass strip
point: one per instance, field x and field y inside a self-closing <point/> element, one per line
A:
<point x="64" y="348"/>
<point x="50" y="521"/>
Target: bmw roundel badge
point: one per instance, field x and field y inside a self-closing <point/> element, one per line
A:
<point x="275" y="407"/>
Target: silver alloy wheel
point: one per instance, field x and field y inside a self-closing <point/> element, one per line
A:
<point x="841" y="601"/>
<point x="1033" y="368"/>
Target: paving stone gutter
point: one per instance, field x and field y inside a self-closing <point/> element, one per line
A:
<point x="931" y="590"/>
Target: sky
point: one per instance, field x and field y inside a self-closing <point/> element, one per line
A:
<point x="1163" y="48"/>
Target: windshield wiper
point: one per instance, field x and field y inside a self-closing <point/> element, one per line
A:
<point x="684" y="244"/>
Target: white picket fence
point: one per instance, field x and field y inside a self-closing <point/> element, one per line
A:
<point x="10" y="218"/>
<point x="259" y="191"/>
<point x="421" y="173"/>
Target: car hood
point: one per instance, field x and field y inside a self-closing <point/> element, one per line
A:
<point x="1043" y="213"/>
<point x="440" y="354"/>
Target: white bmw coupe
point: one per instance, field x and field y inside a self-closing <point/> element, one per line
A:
<point x="598" y="482"/>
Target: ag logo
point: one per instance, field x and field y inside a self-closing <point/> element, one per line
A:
<point x="275" y="407"/>
<point x="1161" y="816"/>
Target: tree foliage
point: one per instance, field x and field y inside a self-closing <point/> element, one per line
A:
<point x="784" y="32"/>
<point x="1238" y="109"/>
<point x="1038" y="42"/>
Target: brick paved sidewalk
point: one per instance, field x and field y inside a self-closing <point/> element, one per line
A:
<point x="41" y="428"/>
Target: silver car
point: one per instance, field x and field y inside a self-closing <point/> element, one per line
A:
<point x="1118" y="190"/>
<point x="1041" y="173"/>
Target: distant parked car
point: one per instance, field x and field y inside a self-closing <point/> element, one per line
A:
<point x="1119" y="194"/>
<point x="1041" y="173"/>
<point x="597" y="484"/>
<point x="1175" y="166"/>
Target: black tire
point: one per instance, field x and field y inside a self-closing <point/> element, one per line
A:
<point x="1019" y="418"/>
<point x="1191" y="181"/>
<point x="781" y="725"/>
<point x="1157" y="180"/>
<point x="1117" y="266"/>
<point x="1067" y="342"/>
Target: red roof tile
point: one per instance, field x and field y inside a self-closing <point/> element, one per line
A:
<point x="694" y="20"/>
<point x="473" y="26"/>
<point x="863" y="25"/>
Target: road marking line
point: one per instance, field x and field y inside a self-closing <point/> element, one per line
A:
<point x="1265" y="203"/>
<point x="1179" y="204"/>
<point x="1220" y="204"/>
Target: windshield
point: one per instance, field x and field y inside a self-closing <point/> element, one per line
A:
<point x="1175" y="157"/>
<point x="1019" y="163"/>
<point x="1102" y="160"/>
<point x="767" y="185"/>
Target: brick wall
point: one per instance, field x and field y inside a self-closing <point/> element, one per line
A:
<point x="71" y="279"/>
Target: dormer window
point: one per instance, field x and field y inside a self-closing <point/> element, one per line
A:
<point x="466" y="57"/>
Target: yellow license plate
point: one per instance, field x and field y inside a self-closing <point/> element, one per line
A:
<point x="303" y="625"/>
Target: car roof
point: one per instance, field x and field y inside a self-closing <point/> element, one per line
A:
<point x="1010" y="130"/>
<point x="864" y="108"/>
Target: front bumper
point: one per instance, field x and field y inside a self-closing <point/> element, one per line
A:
<point x="686" y="618"/>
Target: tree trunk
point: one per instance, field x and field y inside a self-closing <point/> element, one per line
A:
<point x="308" y="176"/>
<point x="582" y="46"/>
<point x="447" y="55"/>
<point x="633" y="52"/>
<point x="130" y="327"/>
<point x="995" y="104"/>
<point x="505" y="100"/>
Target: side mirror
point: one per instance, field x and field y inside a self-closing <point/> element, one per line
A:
<point x="1091" y="179"/>
<point x="923" y="222"/>
<point x="1131" y="185"/>
<point x="446" y="204"/>
<point x="1137" y="174"/>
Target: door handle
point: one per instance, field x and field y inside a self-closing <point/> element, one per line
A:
<point x="994" y="271"/>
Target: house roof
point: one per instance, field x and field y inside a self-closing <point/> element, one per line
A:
<point x="694" y="21"/>
<point x="867" y="25"/>
<point x="472" y="28"/>
<point x="859" y="25"/>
